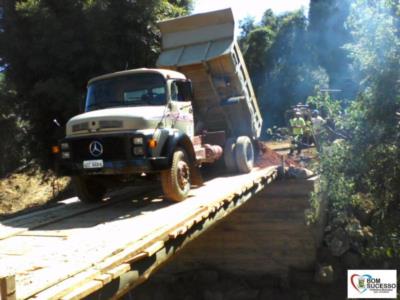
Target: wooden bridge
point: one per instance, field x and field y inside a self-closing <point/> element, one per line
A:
<point x="74" y="249"/>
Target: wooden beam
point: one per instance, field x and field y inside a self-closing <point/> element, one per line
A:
<point x="7" y="288"/>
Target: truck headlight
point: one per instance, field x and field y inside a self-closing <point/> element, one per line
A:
<point x="138" y="151"/>
<point x="64" y="146"/>
<point x="138" y="140"/>
<point x="65" y="155"/>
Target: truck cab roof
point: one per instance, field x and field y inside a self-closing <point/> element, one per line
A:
<point x="167" y="74"/>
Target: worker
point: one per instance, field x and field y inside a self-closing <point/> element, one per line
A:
<point x="297" y="125"/>
<point x="318" y="127"/>
<point x="308" y="137"/>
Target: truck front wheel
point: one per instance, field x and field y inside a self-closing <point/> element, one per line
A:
<point x="244" y="153"/>
<point x="176" y="181"/>
<point x="88" y="189"/>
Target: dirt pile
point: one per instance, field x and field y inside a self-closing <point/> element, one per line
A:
<point x="29" y="188"/>
<point x="269" y="158"/>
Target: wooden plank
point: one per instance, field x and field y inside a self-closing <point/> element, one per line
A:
<point x="61" y="270"/>
<point x="150" y="251"/>
<point x="7" y="288"/>
<point x="118" y="271"/>
<point x="84" y="290"/>
<point x="21" y="224"/>
<point x="67" y="286"/>
<point x="104" y="278"/>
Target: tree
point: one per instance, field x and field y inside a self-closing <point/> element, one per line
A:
<point x="365" y="166"/>
<point x="53" y="48"/>
<point x="282" y="64"/>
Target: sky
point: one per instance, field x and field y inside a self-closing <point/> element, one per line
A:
<point x="255" y="8"/>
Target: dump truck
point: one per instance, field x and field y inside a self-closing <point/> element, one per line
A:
<point x="198" y="107"/>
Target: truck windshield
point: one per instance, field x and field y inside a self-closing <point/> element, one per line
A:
<point x="129" y="90"/>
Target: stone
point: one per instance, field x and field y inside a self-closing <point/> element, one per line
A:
<point x="339" y="242"/>
<point x="368" y="232"/>
<point x="339" y="220"/>
<point x="324" y="274"/>
<point x="299" y="173"/>
<point x="354" y="229"/>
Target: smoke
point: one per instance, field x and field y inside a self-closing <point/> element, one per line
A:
<point x="376" y="42"/>
<point x="339" y="46"/>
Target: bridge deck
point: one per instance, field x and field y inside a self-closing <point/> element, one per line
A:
<point x="74" y="250"/>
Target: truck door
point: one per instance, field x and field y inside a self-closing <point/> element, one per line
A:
<point x="181" y="110"/>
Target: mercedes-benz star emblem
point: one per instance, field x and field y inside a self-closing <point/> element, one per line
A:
<point x="96" y="148"/>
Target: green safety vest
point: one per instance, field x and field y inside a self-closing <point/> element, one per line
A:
<point x="297" y="122"/>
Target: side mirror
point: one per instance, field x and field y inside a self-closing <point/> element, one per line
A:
<point x="185" y="89"/>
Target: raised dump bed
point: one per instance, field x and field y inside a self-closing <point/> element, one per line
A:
<point x="203" y="47"/>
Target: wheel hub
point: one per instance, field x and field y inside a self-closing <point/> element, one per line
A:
<point x="183" y="174"/>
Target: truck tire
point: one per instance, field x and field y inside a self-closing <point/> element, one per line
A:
<point x="176" y="181"/>
<point x="244" y="153"/>
<point x="88" y="190"/>
<point x="229" y="155"/>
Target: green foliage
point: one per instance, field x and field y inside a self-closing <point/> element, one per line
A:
<point x="367" y="161"/>
<point x="322" y="101"/>
<point x="54" y="47"/>
<point x="12" y="133"/>
<point x="281" y="63"/>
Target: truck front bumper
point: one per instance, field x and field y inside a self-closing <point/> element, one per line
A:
<point x="134" y="166"/>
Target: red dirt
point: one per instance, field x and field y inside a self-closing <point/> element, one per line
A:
<point x="269" y="158"/>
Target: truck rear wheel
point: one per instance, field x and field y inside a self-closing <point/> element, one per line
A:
<point x="88" y="190"/>
<point x="176" y="181"/>
<point x="229" y="155"/>
<point x="244" y="153"/>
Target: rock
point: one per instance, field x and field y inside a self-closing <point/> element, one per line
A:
<point x="339" y="242"/>
<point x="339" y="220"/>
<point x="368" y="232"/>
<point x="324" y="274"/>
<point x="354" y="229"/>
<point x="299" y="173"/>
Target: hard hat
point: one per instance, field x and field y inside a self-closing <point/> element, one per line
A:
<point x="298" y="113"/>
<point x="315" y="112"/>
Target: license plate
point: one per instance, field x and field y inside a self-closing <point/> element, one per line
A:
<point x="93" y="164"/>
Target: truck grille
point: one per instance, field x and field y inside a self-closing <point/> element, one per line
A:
<point x="114" y="148"/>
<point x="110" y="124"/>
<point x="80" y="127"/>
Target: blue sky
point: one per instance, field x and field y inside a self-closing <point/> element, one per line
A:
<point x="243" y="8"/>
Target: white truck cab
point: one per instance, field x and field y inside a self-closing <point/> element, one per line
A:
<point x="197" y="108"/>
